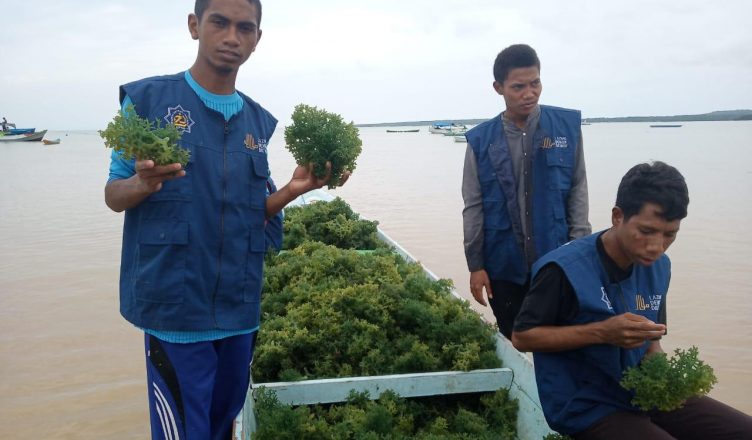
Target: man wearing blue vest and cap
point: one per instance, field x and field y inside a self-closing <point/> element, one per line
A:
<point x="524" y="186"/>
<point x="194" y="238"/>
<point x="596" y="307"/>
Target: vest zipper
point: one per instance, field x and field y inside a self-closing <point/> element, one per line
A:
<point x="221" y="225"/>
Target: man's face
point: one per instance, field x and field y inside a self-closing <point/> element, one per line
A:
<point x="228" y="33"/>
<point x="520" y="90"/>
<point x="645" y="236"/>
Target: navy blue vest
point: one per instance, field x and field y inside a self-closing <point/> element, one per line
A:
<point x="578" y="387"/>
<point x="193" y="252"/>
<point x="555" y="145"/>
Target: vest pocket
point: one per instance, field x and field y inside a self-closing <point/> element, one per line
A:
<point x="258" y="178"/>
<point x="560" y="162"/>
<point x="254" y="266"/>
<point x="161" y="261"/>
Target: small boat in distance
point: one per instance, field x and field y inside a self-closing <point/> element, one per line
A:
<point x="51" y="141"/>
<point x="444" y="127"/>
<point x="404" y="131"/>
<point x="665" y="125"/>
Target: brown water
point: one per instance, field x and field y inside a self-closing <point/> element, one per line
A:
<point x="72" y="368"/>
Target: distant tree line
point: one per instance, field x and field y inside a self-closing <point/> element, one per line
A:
<point x="724" y="115"/>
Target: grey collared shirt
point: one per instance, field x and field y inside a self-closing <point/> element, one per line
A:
<point x="520" y="142"/>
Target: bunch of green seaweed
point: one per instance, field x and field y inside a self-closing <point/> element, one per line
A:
<point x="333" y="311"/>
<point x="390" y="417"/>
<point x="317" y="136"/>
<point x="332" y="223"/>
<point x="664" y="383"/>
<point x="135" y="137"/>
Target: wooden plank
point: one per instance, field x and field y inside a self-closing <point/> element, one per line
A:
<point x="406" y="385"/>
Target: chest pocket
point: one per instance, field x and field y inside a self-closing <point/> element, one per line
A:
<point x="560" y="162"/>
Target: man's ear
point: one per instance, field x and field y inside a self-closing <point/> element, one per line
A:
<point x="498" y="87"/>
<point x="617" y="216"/>
<point x="193" y="26"/>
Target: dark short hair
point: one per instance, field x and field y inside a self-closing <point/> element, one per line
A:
<point x="201" y="6"/>
<point x="655" y="182"/>
<point x="513" y="57"/>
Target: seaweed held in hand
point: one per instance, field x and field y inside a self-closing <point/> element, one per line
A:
<point x="135" y="137"/>
<point x="666" y="383"/>
<point x="317" y="136"/>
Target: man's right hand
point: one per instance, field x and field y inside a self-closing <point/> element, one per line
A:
<point x="122" y="194"/>
<point x="151" y="176"/>
<point x="629" y="330"/>
<point x="479" y="280"/>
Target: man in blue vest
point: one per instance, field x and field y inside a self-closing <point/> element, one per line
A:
<point x="596" y="307"/>
<point x="194" y="238"/>
<point x="524" y="186"/>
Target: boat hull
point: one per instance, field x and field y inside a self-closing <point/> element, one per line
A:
<point x="31" y="137"/>
<point x="531" y="423"/>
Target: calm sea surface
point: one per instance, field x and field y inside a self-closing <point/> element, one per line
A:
<point x="72" y="368"/>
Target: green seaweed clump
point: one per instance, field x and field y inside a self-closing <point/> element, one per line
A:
<point x="333" y="223"/>
<point x="488" y="416"/>
<point x="666" y="383"/>
<point x="317" y="136"/>
<point x="135" y="137"/>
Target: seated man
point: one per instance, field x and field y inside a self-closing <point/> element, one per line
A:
<point x="581" y="321"/>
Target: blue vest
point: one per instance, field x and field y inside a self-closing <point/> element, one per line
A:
<point x="193" y="252"/>
<point x="555" y="145"/>
<point x="578" y="387"/>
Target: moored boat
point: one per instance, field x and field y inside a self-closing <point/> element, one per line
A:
<point x="415" y="130"/>
<point x="29" y="137"/>
<point x="445" y="127"/>
<point x="665" y="125"/>
<point x="517" y="374"/>
<point x="51" y="141"/>
<point x="14" y="131"/>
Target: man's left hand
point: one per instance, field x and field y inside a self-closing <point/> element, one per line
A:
<point x="303" y="179"/>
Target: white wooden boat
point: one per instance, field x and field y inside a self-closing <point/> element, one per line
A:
<point x="517" y="375"/>
<point x="36" y="136"/>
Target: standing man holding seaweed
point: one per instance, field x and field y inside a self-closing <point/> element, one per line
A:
<point x="194" y="236"/>
<point x="524" y="186"/>
<point x="596" y="308"/>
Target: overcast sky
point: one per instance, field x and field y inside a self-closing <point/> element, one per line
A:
<point x="388" y="60"/>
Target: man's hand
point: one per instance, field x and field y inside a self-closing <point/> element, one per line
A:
<point x="479" y="280"/>
<point x="631" y="331"/>
<point x="303" y="179"/>
<point x="122" y="194"/>
<point x="151" y="177"/>
<point x="626" y="330"/>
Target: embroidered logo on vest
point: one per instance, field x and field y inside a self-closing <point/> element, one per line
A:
<point x="180" y="118"/>
<point x="557" y="142"/>
<point x="604" y="298"/>
<point x="252" y="144"/>
<point x="653" y="302"/>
